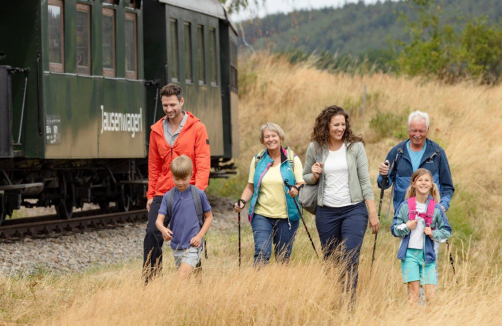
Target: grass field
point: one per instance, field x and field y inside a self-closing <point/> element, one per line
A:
<point x="465" y="120"/>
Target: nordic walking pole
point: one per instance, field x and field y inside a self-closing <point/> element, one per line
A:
<point x="301" y="217"/>
<point x="239" y="227"/>
<point x="451" y="257"/>
<point x="385" y="179"/>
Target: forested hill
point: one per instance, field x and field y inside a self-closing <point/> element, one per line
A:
<point x="355" y="29"/>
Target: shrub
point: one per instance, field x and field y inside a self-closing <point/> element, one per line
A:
<point x="389" y="124"/>
<point x="435" y="49"/>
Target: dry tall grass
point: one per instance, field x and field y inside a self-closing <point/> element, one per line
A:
<point x="465" y="121"/>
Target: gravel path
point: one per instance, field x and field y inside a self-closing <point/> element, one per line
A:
<point x="78" y="252"/>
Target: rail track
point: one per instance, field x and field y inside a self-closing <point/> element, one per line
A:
<point x="50" y="226"/>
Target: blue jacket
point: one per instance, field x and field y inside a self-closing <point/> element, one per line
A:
<point x="440" y="225"/>
<point x="287" y="174"/>
<point x="434" y="160"/>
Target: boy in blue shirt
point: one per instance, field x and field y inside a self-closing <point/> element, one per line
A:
<point x="186" y="233"/>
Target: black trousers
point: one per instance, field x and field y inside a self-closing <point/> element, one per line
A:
<point x="152" y="245"/>
<point x="343" y="226"/>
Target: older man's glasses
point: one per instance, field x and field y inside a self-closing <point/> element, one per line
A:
<point x="420" y="131"/>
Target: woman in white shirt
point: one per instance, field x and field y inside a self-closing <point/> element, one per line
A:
<point x="336" y="161"/>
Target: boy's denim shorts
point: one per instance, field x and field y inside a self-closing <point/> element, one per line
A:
<point x="190" y="256"/>
<point x="414" y="268"/>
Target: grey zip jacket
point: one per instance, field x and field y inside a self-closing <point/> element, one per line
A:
<point x="357" y="162"/>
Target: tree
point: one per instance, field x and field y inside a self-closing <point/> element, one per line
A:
<point x="237" y="5"/>
<point x="436" y="49"/>
<point x="431" y="49"/>
<point x="481" y="50"/>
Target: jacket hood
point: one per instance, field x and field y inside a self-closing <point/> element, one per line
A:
<point x="158" y="126"/>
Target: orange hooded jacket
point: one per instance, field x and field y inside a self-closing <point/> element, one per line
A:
<point x="192" y="142"/>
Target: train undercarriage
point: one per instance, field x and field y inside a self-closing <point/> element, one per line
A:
<point x="69" y="184"/>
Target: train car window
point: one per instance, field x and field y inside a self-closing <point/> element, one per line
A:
<point x="212" y="57"/>
<point x="108" y="42"/>
<point x="174" y="51"/>
<point x="131" y="46"/>
<point x="136" y="4"/>
<point x="83" y="39"/>
<point x="188" y="52"/>
<point x="233" y="67"/>
<point x="56" y="35"/>
<point x="201" y="54"/>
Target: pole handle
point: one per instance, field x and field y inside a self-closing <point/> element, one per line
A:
<point x="385" y="178"/>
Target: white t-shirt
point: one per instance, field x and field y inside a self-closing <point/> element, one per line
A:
<point x="417" y="235"/>
<point x="336" y="179"/>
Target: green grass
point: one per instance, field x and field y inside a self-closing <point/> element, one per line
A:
<point x="231" y="187"/>
<point x="462" y="214"/>
<point x="390" y="124"/>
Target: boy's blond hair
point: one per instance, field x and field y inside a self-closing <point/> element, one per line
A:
<point x="182" y="167"/>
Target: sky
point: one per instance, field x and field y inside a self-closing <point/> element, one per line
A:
<point x="285" y="6"/>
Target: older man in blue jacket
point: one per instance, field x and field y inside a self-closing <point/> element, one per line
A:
<point x="417" y="152"/>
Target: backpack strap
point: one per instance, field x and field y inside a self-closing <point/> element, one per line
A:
<point x="199" y="211"/>
<point x="429" y="216"/>
<point x="289" y="154"/>
<point x="412" y="208"/>
<point x="395" y="162"/>
<point x="436" y="152"/>
<point x="291" y="157"/>
<point x="170" y="201"/>
<point x="198" y="204"/>
<point x="258" y="157"/>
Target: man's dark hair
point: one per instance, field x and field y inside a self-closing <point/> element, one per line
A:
<point x="170" y="90"/>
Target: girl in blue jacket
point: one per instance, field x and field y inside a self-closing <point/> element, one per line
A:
<point x="419" y="221"/>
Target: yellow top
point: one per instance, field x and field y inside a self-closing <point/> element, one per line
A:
<point x="272" y="199"/>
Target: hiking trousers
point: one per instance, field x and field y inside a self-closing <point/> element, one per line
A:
<point x="341" y="230"/>
<point x="276" y="231"/>
<point x="153" y="242"/>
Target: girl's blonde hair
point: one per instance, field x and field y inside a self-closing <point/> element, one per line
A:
<point x="434" y="190"/>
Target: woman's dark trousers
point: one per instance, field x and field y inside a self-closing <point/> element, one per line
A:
<point x="341" y="230"/>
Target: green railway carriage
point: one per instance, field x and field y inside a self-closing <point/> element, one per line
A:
<point x="79" y="89"/>
<point x="193" y="49"/>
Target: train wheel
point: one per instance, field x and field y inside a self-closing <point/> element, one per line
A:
<point x="2" y="216"/>
<point x="124" y="202"/>
<point x="64" y="207"/>
<point x="104" y="205"/>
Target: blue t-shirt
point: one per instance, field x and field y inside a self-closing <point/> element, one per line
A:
<point x="415" y="157"/>
<point x="184" y="222"/>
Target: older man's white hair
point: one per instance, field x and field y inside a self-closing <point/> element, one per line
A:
<point x="418" y="115"/>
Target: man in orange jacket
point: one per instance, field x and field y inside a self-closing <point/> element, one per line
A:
<point x="178" y="133"/>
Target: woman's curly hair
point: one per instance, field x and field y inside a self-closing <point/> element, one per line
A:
<point x="320" y="134"/>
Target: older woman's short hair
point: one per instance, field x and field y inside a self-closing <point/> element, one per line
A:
<point x="418" y="115"/>
<point x="274" y="127"/>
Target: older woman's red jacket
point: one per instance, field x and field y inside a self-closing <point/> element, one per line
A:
<point x="192" y="142"/>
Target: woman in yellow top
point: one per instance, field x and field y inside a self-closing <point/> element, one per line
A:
<point x="272" y="211"/>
